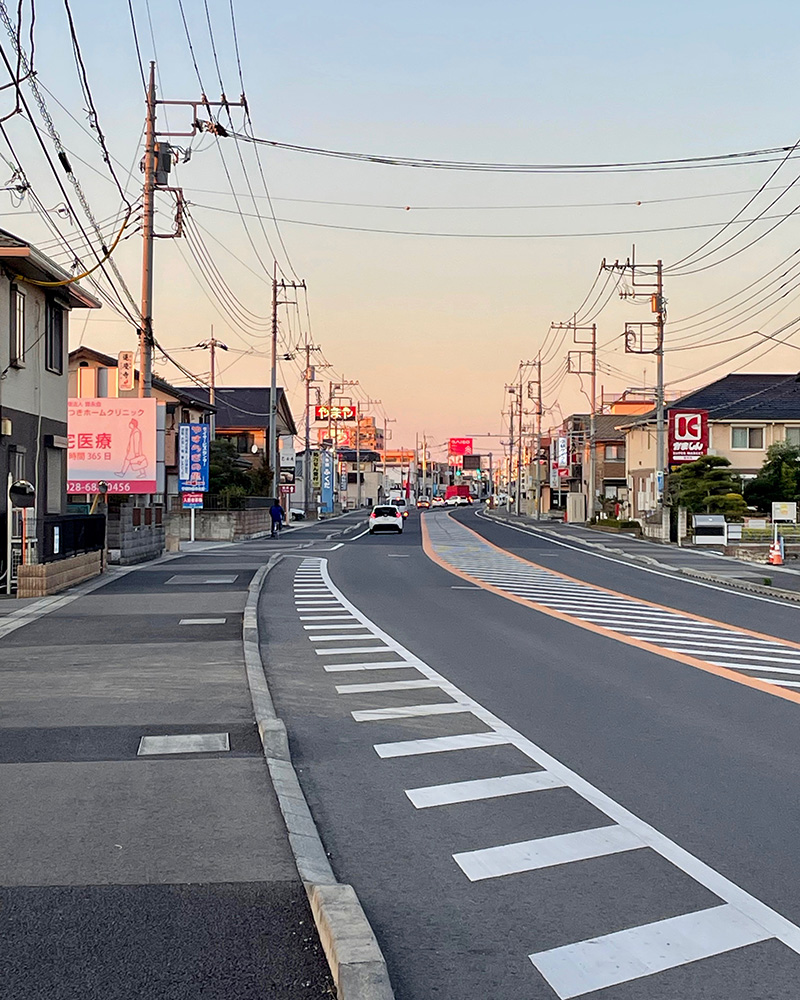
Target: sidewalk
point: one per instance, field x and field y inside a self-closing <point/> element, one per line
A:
<point x="132" y="866"/>
<point x="688" y="561"/>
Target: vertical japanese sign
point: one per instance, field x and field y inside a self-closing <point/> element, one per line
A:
<point x="125" y="370"/>
<point x="194" y="442"/>
<point x="562" y="453"/>
<point x="688" y="435"/>
<point x="112" y="440"/>
<point x="316" y="470"/>
<point x="327" y="483"/>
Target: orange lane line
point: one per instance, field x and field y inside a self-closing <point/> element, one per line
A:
<point x="629" y="640"/>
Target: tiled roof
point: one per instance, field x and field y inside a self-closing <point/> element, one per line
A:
<point x="747" y="397"/>
<point x="247" y="406"/>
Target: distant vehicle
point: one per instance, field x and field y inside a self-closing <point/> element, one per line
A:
<point x="464" y="501"/>
<point x="423" y="503"/>
<point x="456" y="491"/>
<point x="401" y="503"/>
<point x="453" y="501"/>
<point x="386" y="517"/>
<point x="437" y="501"/>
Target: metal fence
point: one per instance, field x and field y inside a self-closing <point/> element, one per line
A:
<point x="65" y="535"/>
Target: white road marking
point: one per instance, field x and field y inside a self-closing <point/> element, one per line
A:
<point x="440" y="744"/>
<point x="483" y="788"/>
<point x="309" y="627"/>
<point x="383" y="686"/>
<point x="185" y="578"/>
<point x="377" y="665"/>
<point x="185" y="743"/>
<point x="546" y="852"/>
<point x="202" y="621"/>
<point x="352" y="649"/>
<point x="408" y="711"/>
<point x="750" y="910"/>
<point x="394" y="555"/>
<point x="467" y="588"/>
<point x="359" y="535"/>
<point x="596" y="964"/>
<point x="340" y="638"/>
<point x="784" y="684"/>
<point x="328" y="618"/>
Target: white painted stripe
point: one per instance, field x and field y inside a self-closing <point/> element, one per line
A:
<point x="529" y="855"/>
<point x="710" y="635"/>
<point x="384" y="686"/>
<point x="342" y="638"/>
<point x="440" y="744"/>
<point x="326" y="618"/>
<point x="732" y="655"/>
<point x="377" y="665"/>
<point x="759" y="666"/>
<point x="596" y="964"/>
<point x="483" y="788"/>
<point x="184" y="743"/>
<point x="350" y="649"/>
<point x="408" y="711"/>
<point x="202" y="621"/>
<point x="310" y="627"/>
<point x="779" y="683"/>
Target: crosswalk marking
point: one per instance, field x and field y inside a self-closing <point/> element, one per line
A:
<point x="310" y="627"/>
<point x="440" y="744"/>
<point x="350" y="649"/>
<point x="483" y="788"/>
<point x="376" y="665"/>
<point x="340" y="638"/>
<point x="546" y="852"/>
<point x="596" y="964"/>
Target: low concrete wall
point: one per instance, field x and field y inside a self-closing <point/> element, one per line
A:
<point x="220" y="525"/>
<point x="134" y="535"/>
<point x="41" y="579"/>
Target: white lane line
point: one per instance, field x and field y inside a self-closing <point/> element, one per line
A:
<point x="351" y="649"/>
<point x="408" y="711"/>
<point x="771" y="922"/>
<point x="546" y="852"/>
<point x="202" y="621"/>
<point x="466" y="588"/>
<point x="393" y="555"/>
<point x="384" y="686"/>
<point x="310" y="627"/>
<point x="185" y="743"/>
<point x="359" y="535"/>
<point x="376" y="665"/>
<point x="759" y="666"/>
<point x="575" y="969"/>
<point x="732" y="655"/>
<point x="440" y="744"/>
<point x="483" y="788"/>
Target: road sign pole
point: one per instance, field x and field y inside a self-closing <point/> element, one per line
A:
<point x="191" y="524"/>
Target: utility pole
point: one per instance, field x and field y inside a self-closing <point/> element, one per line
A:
<point x="156" y="165"/>
<point x="650" y="283"/>
<point x="585" y="363"/>
<point x="273" y="381"/>
<point x="366" y="402"/>
<point x="308" y="378"/>
<point x="512" y="389"/>
<point x="211" y="346"/>
<point x="537" y="442"/>
<point x="386" y="422"/>
<point x="336" y="387"/>
<point x="146" y="328"/>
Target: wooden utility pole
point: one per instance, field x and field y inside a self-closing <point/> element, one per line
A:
<point x="146" y="328"/>
<point x="273" y="379"/>
<point x="211" y="346"/>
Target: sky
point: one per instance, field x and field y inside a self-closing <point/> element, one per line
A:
<point x="435" y="326"/>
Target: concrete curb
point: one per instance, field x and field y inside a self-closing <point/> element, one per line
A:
<point x="693" y="574"/>
<point x="354" y="956"/>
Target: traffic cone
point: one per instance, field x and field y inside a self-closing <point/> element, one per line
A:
<point x="775" y="557"/>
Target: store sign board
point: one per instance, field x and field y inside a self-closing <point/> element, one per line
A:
<point x="112" y="440"/>
<point x="688" y="435"/>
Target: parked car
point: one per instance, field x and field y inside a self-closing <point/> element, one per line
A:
<point x="386" y="517"/>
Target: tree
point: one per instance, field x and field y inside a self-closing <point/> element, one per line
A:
<point x="778" y="478"/>
<point x="260" y="478"/>
<point x="226" y="470"/>
<point x="705" y="485"/>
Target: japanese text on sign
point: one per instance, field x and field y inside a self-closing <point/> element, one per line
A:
<point x="111" y="440"/>
<point x="334" y="412"/>
<point x="193" y="457"/>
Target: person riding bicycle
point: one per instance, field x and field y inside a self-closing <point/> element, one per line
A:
<point x="278" y="516"/>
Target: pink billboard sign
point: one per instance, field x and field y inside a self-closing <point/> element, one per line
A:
<point x="112" y="440"/>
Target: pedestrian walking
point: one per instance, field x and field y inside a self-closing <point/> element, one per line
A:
<point x="278" y="517"/>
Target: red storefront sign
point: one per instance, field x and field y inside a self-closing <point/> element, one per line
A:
<point x="334" y="413"/>
<point x="460" y="446"/>
<point x="688" y="435"/>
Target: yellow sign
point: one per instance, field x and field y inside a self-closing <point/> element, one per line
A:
<point x="316" y="470"/>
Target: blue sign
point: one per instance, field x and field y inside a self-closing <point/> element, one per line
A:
<point x="327" y="483"/>
<point x="193" y="451"/>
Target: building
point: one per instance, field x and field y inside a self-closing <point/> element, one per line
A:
<point x="746" y="415"/>
<point x="242" y="417"/>
<point x="33" y="380"/>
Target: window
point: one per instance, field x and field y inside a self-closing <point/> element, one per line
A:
<point x="242" y="442"/>
<point x="614" y="452"/>
<point x="17" y="327"/>
<point x="55" y="480"/>
<point x="793" y="436"/>
<point x="54" y="339"/>
<point x="16" y="457"/>
<point x="751" y="438"/>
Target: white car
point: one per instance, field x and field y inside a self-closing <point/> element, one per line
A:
<point x="437" y="502"/>
<point x="386" y="517"/>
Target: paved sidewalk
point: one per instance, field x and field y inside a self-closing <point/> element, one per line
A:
<point x="165" y="875"/>
<point x="688" y="560"/>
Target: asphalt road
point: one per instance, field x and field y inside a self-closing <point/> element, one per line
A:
<point x="645" y="806"/>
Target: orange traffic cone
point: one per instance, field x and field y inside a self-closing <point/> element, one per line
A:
<point x="775" y="557"/>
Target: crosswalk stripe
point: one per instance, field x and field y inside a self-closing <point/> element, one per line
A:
<point x="350" y="649"/>
<point x="546" y="852"/>
<point x="483" y="788"/>
<point x="576" y="969"/>
<point x="384" y="686"/>
<point x="441" y="744"/>
<point x="340" y="638"/>
<point x="377" y="665"/>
